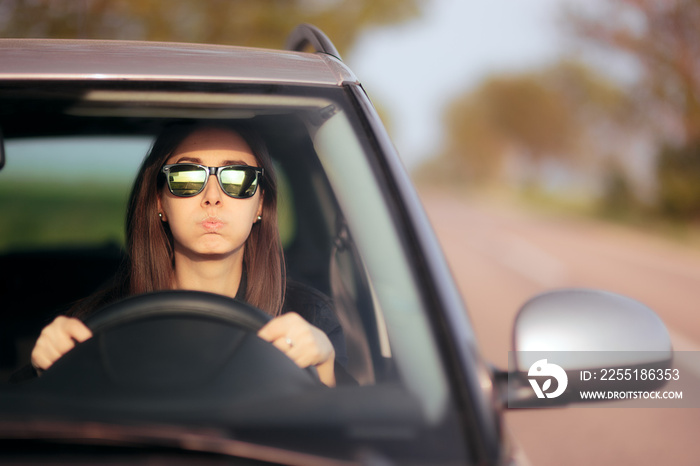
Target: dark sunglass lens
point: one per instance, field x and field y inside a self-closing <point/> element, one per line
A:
<point x="239" y="181"/>
<point x="186" y="180"/>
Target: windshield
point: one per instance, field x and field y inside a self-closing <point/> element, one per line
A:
<point x="64" y="195"/>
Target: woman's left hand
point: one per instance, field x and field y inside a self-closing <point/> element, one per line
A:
<point x="303" y="343"/>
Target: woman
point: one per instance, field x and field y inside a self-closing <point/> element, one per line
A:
<point x="193" y="226"/>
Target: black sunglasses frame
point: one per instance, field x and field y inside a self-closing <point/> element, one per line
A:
<point x="216" y="171"/>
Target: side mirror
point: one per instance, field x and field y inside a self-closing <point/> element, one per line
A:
<point x="583" y="337"/>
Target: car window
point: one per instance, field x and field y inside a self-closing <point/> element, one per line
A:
<point x="66" y="190"/>
<point x="357" y="186"/>
<point x="70" y="191"/>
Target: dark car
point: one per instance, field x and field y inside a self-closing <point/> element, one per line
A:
<point x="78" y="116"/>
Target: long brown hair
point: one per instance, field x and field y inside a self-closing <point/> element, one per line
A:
<point x="149" y="242"/>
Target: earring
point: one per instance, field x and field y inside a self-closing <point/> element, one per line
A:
<point x="160" y="214"/>
<point x="259" y="217"/>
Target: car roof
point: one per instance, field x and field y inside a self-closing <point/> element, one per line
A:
<point x="69" y="59"/>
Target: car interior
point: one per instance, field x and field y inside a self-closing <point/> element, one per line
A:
<point x="40" y="281"/>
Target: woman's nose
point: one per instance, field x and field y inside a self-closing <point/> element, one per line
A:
<point x="212" y="192"/>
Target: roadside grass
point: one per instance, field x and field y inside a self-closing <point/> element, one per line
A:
<point x="635" y="215"/>
<point x="34" y="216"/>
<point x="571" y="205"/>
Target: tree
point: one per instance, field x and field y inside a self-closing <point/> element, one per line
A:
<point x="563" y="113"/>
<point x="663" y="37"/>
<point x="262" y="23"/>
<point x="679" y="181"/>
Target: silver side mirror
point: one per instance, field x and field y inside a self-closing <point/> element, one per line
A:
<point x="587" y="332"/>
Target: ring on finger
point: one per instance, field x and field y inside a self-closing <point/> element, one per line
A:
<point x="289" y="342"/>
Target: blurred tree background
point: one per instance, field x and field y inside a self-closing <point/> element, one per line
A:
<point x="259" y="23"/>
<point x="568" y="130"/>
<point x="664" y="39"/>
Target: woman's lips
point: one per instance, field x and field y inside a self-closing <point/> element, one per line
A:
<point x="212" y="224"/>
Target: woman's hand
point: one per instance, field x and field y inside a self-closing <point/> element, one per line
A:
<point x="303" y="343"/>
<point x="57" y="339"/>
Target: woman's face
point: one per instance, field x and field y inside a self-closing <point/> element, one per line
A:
<point x="211" y="223"/>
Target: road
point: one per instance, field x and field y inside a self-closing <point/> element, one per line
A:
<point x="501" y="257"/>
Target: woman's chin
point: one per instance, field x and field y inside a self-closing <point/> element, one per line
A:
<point x="215" y="253"/>
<point x="209" y="247"/>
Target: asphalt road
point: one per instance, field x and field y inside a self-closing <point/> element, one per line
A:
<point x="501" y="257"/>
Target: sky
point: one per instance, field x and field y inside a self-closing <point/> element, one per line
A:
<point x="411" y="71"/>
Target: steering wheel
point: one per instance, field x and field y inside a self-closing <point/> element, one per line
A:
<point x="175" y="355"/>
<point x="178" y="303"/>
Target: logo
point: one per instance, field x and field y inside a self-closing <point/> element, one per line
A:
<point x="542" y="368"/>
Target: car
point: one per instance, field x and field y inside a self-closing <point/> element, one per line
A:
<point x="78" y="116"/>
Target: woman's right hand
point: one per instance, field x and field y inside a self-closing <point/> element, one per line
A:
<point x="57" y="339"/>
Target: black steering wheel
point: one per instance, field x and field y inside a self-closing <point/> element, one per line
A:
<point x="175" y="355"/>
<point x="178" y="303"/>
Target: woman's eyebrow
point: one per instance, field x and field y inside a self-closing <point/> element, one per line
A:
<point x="189" y="159"/>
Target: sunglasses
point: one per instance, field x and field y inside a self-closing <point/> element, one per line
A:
<point x="190" y="179"/>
